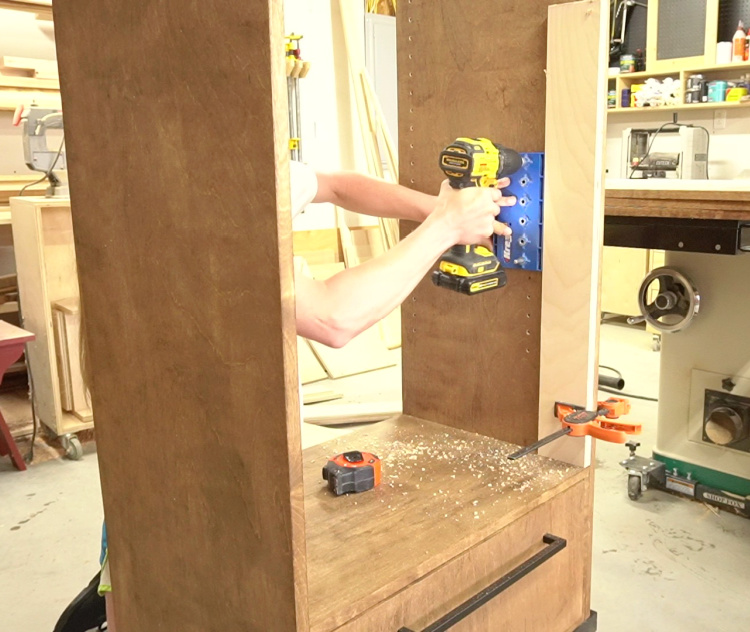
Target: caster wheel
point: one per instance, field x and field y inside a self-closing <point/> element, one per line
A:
<point x="656" y="344"/>
<point x="634" y="487"/>
<point x="73" y="448"/>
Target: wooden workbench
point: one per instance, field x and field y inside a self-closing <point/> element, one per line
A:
<point x="689" y="199"/>
<point x="672" y="208"/>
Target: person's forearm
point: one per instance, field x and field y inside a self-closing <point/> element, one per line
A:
<point x="361" y="296"/>
<point x="370" y="196"/>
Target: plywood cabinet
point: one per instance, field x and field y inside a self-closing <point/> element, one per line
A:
<point x="452" y="516"/>
<point x="230" y="526"/>
<point x="47" y="273"/>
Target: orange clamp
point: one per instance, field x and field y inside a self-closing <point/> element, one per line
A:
<point x="598" y="424"/>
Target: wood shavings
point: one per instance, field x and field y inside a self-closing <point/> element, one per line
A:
<point x="437" y="474"/>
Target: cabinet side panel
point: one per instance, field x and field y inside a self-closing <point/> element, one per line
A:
<point x="471" y="362"/>
<point x="175" y="120"/>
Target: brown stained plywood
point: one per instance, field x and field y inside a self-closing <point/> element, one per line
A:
<point x="678" y="204"/>
<point x="472" y="362"/>
<point x="444" y="491"/>
<point x="530" y="604"/>
<point x="184" y="242"/>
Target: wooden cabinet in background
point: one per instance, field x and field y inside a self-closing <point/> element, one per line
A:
<point x="47" y="275"/>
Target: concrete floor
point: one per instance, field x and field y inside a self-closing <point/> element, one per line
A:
<point x="661" y="564"/>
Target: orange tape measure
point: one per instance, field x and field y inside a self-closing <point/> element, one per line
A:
<point x="352" y="472"/>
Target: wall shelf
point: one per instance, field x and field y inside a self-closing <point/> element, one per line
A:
<point x="723" y="71"/>
<point x="681" y="107"/>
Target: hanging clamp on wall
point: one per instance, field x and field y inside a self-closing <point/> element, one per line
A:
<point x="296" y="69"/>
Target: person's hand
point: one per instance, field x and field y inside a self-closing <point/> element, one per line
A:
<point x="469" y="214"/>
<point x="509" y="200"/>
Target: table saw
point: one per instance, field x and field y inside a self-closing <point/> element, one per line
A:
<point x="703" y="438"/>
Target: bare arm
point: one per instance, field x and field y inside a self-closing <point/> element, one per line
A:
<point x="336" y="310"/>
<point x="370" y="196"/>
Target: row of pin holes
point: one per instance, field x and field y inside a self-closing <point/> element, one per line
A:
<point x="411" y="111"/>
<point x="411" y="146"/>
<point x="528" y="315"/>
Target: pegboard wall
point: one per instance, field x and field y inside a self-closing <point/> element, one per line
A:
<point x="681" y="29"/>
<point x="730" y="13"/>
<point x="635" y="35"/>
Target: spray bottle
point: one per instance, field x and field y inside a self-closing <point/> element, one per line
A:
<point x="738" y="43"/>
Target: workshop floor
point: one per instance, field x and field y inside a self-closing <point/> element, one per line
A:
<point x="660" y="565"/>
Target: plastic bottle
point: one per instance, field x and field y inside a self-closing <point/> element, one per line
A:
<point x="738" y="43"/>
<point x="640" y="62"/>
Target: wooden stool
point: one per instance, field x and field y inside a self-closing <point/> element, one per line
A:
<point x="12" y="341"/>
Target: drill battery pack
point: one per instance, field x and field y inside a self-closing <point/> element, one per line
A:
<point x="470" y="285"/>
<point x="469" y="270"/>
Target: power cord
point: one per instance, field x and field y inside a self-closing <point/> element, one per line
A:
<point x="627" y="395"/>
<point x="661" y="129"/>
<point x="615" y="391"/>
<point x="34" y="418"/>
<point x="48" y="173"/>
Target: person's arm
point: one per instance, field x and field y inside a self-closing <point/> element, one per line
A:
<point x="336" y="310"/>
<point x="370" y="196"/>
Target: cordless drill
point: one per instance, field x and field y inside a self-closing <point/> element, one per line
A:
<point x="474" y="162"/>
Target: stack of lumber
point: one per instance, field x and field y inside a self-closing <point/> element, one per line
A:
<point x="42" y="8"/>
<point x="23" y="80"/>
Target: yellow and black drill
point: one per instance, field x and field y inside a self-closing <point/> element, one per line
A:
<point x="474" y="162"/>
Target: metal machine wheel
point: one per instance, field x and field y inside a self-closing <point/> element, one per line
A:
<point x="634" y="487"/>
<point x="73" y="447"/>
<point x="676" y="301"/>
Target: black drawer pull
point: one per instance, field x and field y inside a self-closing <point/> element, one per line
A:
<point x="554" y="545"/>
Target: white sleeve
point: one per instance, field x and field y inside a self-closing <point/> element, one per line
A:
<point x="304" y="186"/>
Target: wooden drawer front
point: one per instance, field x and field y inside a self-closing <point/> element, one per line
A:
<point x="553" y="597"/>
